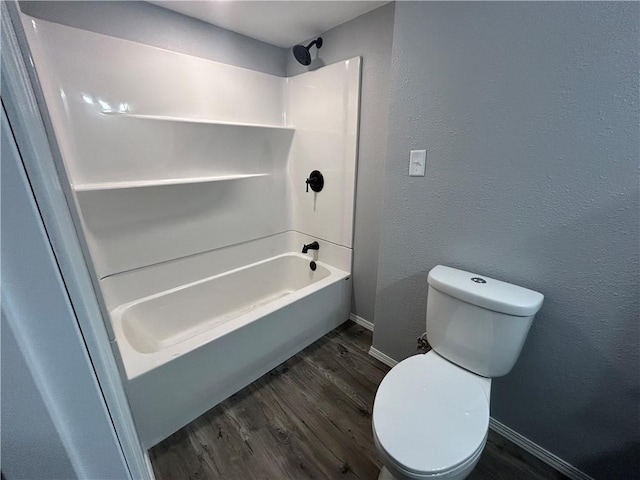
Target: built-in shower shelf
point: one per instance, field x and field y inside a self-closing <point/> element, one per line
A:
<point x="162" y="118"/>
<point x="91" y="187"/>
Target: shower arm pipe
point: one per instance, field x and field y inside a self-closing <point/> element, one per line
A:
<point x="317" y="41"/>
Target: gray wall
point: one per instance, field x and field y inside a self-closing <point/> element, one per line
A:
<point x="152" y="25"/>
<point x="369" y="36"/>
<point x="529" y="114"/>
<point x="31" y="445"/>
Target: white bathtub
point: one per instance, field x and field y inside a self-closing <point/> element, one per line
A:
<point x="188" y="348"/>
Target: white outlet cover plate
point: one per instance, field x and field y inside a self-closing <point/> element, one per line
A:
<point x="417" y="163"/>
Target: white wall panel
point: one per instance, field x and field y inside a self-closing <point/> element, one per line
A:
<point x="323" y="107"/>
<point x="171" y="155"/>
<point x="130" y="114"/>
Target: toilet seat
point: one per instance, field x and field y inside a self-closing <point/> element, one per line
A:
<point x="431" y="417"/>
<point x="459" y="471"/>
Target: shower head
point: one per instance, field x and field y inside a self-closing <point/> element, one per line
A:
<point x="302" y="53"/>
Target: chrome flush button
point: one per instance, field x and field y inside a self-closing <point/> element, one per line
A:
<point x="478" y="280"/>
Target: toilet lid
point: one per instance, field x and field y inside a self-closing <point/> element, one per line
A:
<point x="430" y="415"/>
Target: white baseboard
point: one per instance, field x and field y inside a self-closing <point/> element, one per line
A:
<point x="147" y="461"/>
<point x="361" y="321"/>
<point x="520" y="440"/>
<point x="384" y="358"/>
<point x="537" y="451"/>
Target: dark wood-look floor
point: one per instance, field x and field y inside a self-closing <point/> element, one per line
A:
<point x="309" y="418"/>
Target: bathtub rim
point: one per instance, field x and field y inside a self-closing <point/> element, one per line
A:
<point x="137" y="363"/>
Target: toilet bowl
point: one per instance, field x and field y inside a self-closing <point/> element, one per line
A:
<point x="431" y="411"/>
<point x="430" y="419"/>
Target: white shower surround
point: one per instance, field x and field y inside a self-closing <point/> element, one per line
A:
<point x="189" y="179"/>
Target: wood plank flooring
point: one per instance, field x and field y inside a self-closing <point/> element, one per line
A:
<point x="309" y="418"/>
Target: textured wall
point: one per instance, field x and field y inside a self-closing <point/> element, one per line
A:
<point x="146" y="23"/>
<point x="529" y="113"/>
<point x="369" y="36"/>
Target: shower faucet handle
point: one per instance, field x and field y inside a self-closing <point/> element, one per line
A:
<point x="315" y="181"/>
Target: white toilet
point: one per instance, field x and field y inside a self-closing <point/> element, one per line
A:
<point x="431" y="412"/>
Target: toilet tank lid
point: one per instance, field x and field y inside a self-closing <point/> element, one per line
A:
<point x="485" y="292"/>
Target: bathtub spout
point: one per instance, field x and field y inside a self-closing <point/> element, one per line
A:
<point x="310" y="246"/>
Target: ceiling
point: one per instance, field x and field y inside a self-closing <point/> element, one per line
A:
<point x="281" y="23"/>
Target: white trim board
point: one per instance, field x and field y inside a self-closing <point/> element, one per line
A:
<point x="383" y="357"/>
<point x="361" y="321"/>
<point x="537" y="451"/>
<point x="520" y="440"/>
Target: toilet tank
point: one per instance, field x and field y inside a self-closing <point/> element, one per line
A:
<point x="477" y="322"/>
